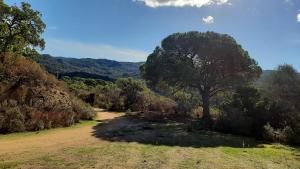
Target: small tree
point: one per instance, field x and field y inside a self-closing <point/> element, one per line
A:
<point x="209" y="62"/>
<point x="20" y="30"/>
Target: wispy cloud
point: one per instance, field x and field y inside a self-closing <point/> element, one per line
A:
<point x="298" y="17"/>
<point x="182" y="3"/>
<point x="68" y="48"/>
<point x="208" y="20"/>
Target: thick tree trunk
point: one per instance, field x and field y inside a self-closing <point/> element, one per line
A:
<point x="206" y="107"/>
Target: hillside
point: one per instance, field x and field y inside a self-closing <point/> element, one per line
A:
<point x="99" y="68"/>
<point x="93" y="68"/>
<point x="31" y="99"/>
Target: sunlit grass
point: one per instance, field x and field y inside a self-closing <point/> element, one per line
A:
<point x="43" y="132"/>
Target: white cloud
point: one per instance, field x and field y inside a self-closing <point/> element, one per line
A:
<point x="182" y="3"/>
<point x="298" y="17"/>
<point x="67" y="48"/>
<point x="208" y="20"/>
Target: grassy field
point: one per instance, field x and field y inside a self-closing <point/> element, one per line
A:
<point x="124" y="142"/>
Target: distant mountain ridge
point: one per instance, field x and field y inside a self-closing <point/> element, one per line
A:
<point x="92" y="68"/>
<point x="104" y="69"/>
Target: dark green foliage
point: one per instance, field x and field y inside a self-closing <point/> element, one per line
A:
<point x="104" y="69"/>
<point x="187" y="101"/>
<point x="20" y="30"/>
<point x="272" y="113"/>
<point x="209" y="62"/>
<point x="244" y="112"/>
<point x="283" y="89"/>
<point x="130" y="89"/>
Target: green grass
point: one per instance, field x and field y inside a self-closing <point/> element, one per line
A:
<point x="134" y="147"/>
<point x="135" y="155"/>
<point x="43" y="132"/>
<point x="7" y="165"/>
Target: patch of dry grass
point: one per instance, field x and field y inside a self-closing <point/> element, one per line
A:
<point x="79" y="147"/>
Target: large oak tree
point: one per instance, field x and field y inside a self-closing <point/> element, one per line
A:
<point x="210" y="62"/>
<point x="20" y="29"/>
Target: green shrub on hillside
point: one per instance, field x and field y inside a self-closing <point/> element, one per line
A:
<point x="11" y="119"/>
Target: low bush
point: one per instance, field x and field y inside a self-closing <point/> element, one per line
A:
<point x="109" y="97"/>
<point x="11" y="119"/>
<point x="285" y="135"/>
<point x="143" y="101"/>
<point x="163" y="106"/>
<point x="83" y="110"/>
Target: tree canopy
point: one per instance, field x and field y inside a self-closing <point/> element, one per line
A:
<point x="21" y="29"/>
<point x="210" y="62"/>
<point x="283" y="86"/>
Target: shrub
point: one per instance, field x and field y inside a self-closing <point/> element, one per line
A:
<point x="143" y="101"/>
<point x="163" y="106"/>
<point x="11" y="120"/>
<point x="284" y="135"/>
<point x="129" y="90"/>
<point x="235" y="122"/>
<point x="243" y="113"/>
<point x="83" y="110"/>
<point x="38" y="120"/>
<point x="129" y="94"/>
<point x="109" y="97"/>
<point x="25" y="68"/>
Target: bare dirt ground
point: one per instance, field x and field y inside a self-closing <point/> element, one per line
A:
<point x="54" y="140"/>
<point x="116" y="141"/>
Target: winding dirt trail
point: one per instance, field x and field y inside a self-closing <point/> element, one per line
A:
<point x="55" y="139"/>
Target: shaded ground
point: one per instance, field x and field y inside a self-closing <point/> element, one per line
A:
<point x="121" y="142"/>
<point x="169" y="132"/>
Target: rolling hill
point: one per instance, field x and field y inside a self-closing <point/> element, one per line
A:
<point x="104" y="69"/>
<point x="92" y="68"/>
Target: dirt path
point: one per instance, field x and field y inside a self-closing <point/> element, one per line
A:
<point x="57" y="139"/>
<point x="120" y="142"/>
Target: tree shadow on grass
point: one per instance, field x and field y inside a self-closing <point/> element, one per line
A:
<point x="165" y="132"/>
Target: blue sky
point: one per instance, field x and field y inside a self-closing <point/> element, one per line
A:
<point x="129" y="30"/>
